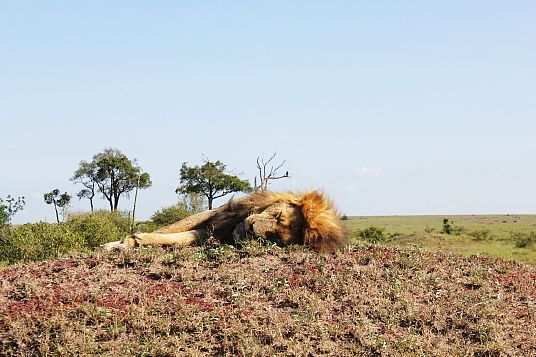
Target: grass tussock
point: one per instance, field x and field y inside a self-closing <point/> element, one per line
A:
<point x="265" y="301"/>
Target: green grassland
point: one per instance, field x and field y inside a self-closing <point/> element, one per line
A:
<point x="425" y="231"/>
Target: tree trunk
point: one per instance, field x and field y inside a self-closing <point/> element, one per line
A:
<point x="56" y="209"/>
<point x="210" y="199"/>
<point x="134" y="208"/>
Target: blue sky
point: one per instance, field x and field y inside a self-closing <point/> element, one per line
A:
<point x="393" y="108"/>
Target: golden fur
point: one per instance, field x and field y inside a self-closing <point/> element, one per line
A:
<point x="308" y="218"/>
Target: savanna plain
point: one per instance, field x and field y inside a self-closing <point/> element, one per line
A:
<point x="403" y="286"/>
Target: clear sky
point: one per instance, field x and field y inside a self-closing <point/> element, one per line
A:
<point x="391" y="107"/>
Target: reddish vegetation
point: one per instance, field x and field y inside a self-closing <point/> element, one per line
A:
<point x="262" y="301"/>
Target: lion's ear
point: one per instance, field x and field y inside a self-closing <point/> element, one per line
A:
<point x="323" y="228"/>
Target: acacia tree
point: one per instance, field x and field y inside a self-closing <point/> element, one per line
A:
<point x="61" y="201"/>
<point x="210" y="180"/>
<point x="112" y="174"/>
<point x="8" y="208"/>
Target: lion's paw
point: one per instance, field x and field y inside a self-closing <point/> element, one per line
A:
<point x="108" y="247"/>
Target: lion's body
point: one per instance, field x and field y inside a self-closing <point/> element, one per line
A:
<point x="280" y="217"/>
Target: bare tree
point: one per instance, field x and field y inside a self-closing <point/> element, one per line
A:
<point x="265" y="174"/>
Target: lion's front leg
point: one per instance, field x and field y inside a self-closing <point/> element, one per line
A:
<point x="158" y="239"/>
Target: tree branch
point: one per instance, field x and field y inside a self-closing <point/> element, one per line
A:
<point x="266" y="175"/>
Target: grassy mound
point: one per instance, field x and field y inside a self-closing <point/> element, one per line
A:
<point x="265" y="301"/>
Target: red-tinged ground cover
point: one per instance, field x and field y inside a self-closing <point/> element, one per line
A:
<point x="265" y="301"/>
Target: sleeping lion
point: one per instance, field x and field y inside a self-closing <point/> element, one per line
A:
<point x="283" y="218"/>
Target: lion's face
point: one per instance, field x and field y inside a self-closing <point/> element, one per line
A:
<point x="281" y="223"/>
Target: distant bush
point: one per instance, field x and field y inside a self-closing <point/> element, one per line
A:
<point x="395" y="234"/>
<point x="458" y="230"/>
<point x="522" y="239"/>
<point x="447" y="226"/>
<point x="188" y="205"/>
<point x="450" y="228"/>
<point x="371" y="234"/>
<point x="169" y="215"/>
<point x="480" y="234"/>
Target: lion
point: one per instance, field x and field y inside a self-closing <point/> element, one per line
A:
<point x="283" y="218"/>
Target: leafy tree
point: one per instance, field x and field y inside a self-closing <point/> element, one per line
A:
<point x="61" y="201"/>
<point x="210" y="180"/>
<point x="112" y="174"/>
<point x="8" y="208"/>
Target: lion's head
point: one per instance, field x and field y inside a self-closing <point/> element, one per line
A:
<point x="288" y="218"/>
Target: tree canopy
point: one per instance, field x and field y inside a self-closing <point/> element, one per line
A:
<point x="210" y="180"/>
<point x="112" y="174"/>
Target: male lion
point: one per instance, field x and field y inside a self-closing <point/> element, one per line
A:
<point x="283" y="218"/>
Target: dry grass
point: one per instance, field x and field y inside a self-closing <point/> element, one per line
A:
<point x="266" y="301"/>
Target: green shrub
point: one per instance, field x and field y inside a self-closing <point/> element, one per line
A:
<point x="189" y="204"/>
<point x="40" y="241"/>
<point x="458" y="230"/>
<point x="169" y="215"/>
<point x="371" y="234"/>
<point x="450" y="228"/>
<point x="395" y="234"/>
<point x="522" y="239"/>
<point x="147" y="226"/>
<point x="447" y="226"/>
<point x="480" y="234"/>
<point x="121" y="219"/>
<point x="98" y="228"/>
